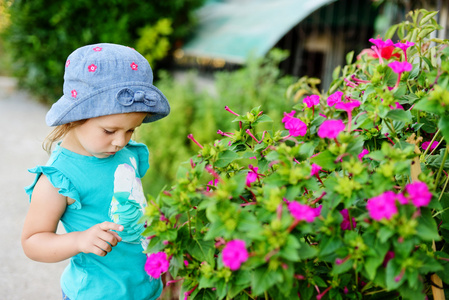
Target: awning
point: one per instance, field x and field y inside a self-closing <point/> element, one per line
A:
<point x="237" y="29"/>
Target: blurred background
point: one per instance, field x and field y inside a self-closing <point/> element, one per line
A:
<point x="205" y="54"/>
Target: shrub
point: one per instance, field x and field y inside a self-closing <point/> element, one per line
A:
<point x="43" y="33"/>
<point x="198" y="111"/>
<point x="348" y="201"/>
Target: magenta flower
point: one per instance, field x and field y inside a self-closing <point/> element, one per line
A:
<point x="383" y="49"/>
<point x="331" y="129"/>
<point x="302" y="212"/>
<point x="382" y="206"/>
<point x="287" y="116"/>
<point x="397" y="105"/>
<point x="295" y="126"/>
<point x="213" y="182"/>
<point x="347" y="106"/>
<point x="418" y="193"/>
<point x="399" y="68"/>
<point x="404" y="47"/>
<point x="74" y="93"/>
<point x="425" y="145"/>
<point x="67" y="63"/>
<point x="315" y="170"/>
<point x="134" y="66"/>
<point x="157" y="263"/>
<point x="334" y="98"/>
<point x="97" y="49"/>
<point x="92" y="68"/>
<point x="312" y="100"/>
<point x="234" y="254"/>
<point x="362" y="154"/>
<point x="345" y="224"/>
<point x="252" y="175"/>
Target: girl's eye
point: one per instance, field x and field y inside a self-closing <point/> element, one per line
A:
<point x="108" y="132"/>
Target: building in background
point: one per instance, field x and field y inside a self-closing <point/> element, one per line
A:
<point x="317" y="33"/>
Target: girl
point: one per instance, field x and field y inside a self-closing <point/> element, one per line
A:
<point x="92" y="179"/>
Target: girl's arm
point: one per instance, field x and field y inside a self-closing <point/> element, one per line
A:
<point x="39" y="239"/>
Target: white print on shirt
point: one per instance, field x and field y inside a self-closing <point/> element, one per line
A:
<point x="128" y="203"/>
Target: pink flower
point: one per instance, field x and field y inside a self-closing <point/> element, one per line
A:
<point x="296" y="127"/>
<point x="92" y="68"/>
<point x="404" y="46"/>
<point x="382" y="206"/>
<point x="334" y="98"/>
<point x="157" y="263"/>
<point x="67" y="63"/>
<point x="362" y="154"/>
<point x="315" y="170"/>
<point x="97" y="49"/>
<point x="134" y="66"/>
<point x="345" y="224"/>
<point x="74" y="93"/>
<point x="234" y="254"/>
<point x="331" y="129"/>
<point x="383" y="49"/>
<point x="302" y="212"/>
<point x="397" y="105"/>
<point x="212" y="183"/>
<point x="418" y="193"/>
<point x="288" y="116"/>
<point x="347" y="106"/>
<point x="400" y="67"/>
<point x="252" y="176"/>
<point x="425" y="145"/>
<point x="312" y="100"/>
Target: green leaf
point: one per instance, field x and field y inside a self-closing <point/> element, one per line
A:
<point x="427" y="228"/>
<point x="325" y="159"/>
<point x="225" y="158"/>
<point x="349" y="57"/>
<point x="443" y="124"/>
<point x="202" y="250"/>
<point x="400" y="115"/>
<point x="205" y="294"/>
<point x="263" y="279"/>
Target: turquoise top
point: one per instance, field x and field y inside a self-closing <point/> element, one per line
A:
<point x="104" y="189"/>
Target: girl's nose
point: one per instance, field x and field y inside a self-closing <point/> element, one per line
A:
<point x="119" y="141"/>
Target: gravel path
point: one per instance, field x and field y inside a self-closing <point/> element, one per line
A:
<point x="22" y="129"/>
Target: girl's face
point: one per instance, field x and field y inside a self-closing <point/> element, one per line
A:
<point x="103" y="136"/>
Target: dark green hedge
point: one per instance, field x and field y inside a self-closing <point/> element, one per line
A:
<point x="42" y="33"/>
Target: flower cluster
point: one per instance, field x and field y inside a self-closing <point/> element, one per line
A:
<point x="346" y="201"/>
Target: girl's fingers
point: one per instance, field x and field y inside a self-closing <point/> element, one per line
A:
<point x="110" y="226"/>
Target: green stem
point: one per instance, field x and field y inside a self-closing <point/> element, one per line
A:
<point x="440" y="170"/>
<point x="444" y="188"/>
<point x="391" y="128"/>
<point x="266" y="295"/>
<point x="190" y="229"/>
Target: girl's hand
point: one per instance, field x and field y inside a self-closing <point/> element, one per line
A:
<point x="99" y="239"/>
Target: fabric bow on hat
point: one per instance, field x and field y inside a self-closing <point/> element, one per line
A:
<point x="127" y="97"/>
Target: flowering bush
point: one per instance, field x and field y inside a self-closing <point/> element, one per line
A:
<point x="348" y="202"/>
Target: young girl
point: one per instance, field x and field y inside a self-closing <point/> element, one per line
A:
<point x="92" y="179"/>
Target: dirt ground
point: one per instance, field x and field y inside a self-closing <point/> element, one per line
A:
<point x="22" y="129"/>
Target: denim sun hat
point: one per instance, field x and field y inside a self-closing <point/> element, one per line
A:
<point x="106" y="79"/>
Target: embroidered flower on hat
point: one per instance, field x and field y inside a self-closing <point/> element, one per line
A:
<point x="92" y="68"/>
<point x="74" y="93"/>
<point x="67" y="63"/>
<point x="97" y="49"/>
<point x="134" y="66"/>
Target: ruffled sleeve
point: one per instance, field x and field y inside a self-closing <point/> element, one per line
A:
<point x="142" y="153"/>
<point x="59" y="181"/>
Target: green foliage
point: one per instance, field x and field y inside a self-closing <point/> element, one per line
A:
<point x="154" y="41"/>
<point x="43" y="33"/>
<point x="201" y="112"/>
<point x="245" y="187"/>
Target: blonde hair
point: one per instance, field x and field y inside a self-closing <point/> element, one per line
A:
<point x="58" y="133"/>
